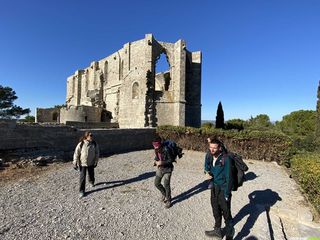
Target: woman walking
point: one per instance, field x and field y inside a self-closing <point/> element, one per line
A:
<point x="86" y="156"/>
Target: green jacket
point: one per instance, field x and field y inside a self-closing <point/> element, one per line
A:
<point x="221" y="172"/>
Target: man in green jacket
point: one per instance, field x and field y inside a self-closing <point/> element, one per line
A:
<point x="219" y="166"/>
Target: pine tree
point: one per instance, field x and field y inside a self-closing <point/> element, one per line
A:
<point x="220" y="117"/>
<point x="7" y="109"/>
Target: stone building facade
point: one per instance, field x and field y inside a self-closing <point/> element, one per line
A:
<point x="49" y="115"/>
<point x="125" y="88"/>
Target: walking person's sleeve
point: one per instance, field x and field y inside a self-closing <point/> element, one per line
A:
<point x="97" y="153"/>
<point x="207" y="166"/>
<point x="229" y="179"/>
<point x="76" y="156"/>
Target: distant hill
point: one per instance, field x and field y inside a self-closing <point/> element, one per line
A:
<point x="205" y="121"/>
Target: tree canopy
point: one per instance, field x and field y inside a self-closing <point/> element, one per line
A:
<point x="260" y="122"/>
<point x="302" y="123"/>
<point x="237" y="124"/>
<point x="7" y="108"/>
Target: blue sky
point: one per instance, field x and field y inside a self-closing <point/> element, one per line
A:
<point x="259" y="56"/>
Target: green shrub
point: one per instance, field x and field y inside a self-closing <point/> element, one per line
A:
<point x="237" y="124"/>
<point x="298" y="123"/>
<point x="266" y="145"/>
<point x="305" y="169"/>
<point x="207" y="125"/>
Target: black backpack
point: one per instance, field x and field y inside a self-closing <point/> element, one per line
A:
<point x="174" y="150"/>
<point x="238" y="169"/>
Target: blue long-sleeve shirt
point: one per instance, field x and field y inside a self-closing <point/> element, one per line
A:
<point x="221" y="172"/>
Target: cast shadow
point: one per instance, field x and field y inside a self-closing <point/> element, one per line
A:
<point x="118" y="183"/>
<point x="249" y="176"/>
<point x="251" y="238"/>
<point x="189" y="193"/>
<point x="260" y="201"/>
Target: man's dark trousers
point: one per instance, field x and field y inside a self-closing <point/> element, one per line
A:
<point x="83" y="174"/>
<point x="221" y="207"/>
<point x="165" y="189"/>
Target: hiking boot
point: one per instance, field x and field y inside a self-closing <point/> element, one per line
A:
<point x="81" y="194"/>
<point x="162" y="198"/>
<point x="167" y="204"/>
<point x="216" y="232"/>
<point x="229" y="236"/>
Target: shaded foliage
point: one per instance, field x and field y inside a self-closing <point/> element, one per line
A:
<point x="207" y="125"/>
<point x="267" y="145"/>
<point x="298" y="123"/>
<point x="220" y="117"/>
<point x="318" y="114"/>
<point x="30" y="119"/>
<point x="237" y="124"/>
<point x="305" y="169"/>
<point x="260" y="122"/>
<point x="60" y="106"/>
<point x="7" y="108"/>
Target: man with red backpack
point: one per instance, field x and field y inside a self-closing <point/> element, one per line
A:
<point x="163" y="161"/>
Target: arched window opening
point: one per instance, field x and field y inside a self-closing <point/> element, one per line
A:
<point x="135" y="91"/>
<point x="55" y="116"/>
<point x="163" y="78"/>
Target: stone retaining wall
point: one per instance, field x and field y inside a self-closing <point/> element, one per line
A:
<point x="27" y="138"/>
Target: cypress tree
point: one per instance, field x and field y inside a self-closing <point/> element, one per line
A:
<point x="318" y="114"/>
<point x="220" y="117"/>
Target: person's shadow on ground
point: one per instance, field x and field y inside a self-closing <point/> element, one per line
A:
<point x="118" y="183"/>
<point x="260" y="201"/>
<point x="189" y="193"/>
<point x="249" y="176"/>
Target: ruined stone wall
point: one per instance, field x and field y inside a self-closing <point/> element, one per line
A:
<point x="193" y="89"/>
<point x="133" y="88"/>
<point x="80" y="114"/>
<point x="48" y="115"/>
<point x="126" y="85"/>
<point x="24" y="138"/>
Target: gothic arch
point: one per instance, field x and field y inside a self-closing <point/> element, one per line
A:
<point x="135" y="90"/>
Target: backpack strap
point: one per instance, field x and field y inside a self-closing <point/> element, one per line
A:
<point x="223" y="160"/>
<point x="81" y="144"/>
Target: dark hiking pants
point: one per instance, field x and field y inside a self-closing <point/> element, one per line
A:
<point x="83" y="174"/>
<point x="165" y="189"/>
<point x="221" y="207"/>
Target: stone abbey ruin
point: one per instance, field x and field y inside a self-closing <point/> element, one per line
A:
<point x="124" y="88"/>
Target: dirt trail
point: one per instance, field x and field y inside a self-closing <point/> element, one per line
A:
<point x="125" y="204"/>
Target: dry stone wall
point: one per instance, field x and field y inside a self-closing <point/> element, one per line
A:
<point x="29" y="138"/>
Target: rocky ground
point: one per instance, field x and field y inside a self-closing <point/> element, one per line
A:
<point x="125" y="205"/>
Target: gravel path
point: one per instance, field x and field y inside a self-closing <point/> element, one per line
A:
<point x="125" y="204"/>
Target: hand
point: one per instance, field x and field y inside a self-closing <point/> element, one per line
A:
<point x="209" y="177"/>
<point x="159" y="163"/>
<point x="75" y="167"/>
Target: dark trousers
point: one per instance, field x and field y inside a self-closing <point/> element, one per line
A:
<point x="83" y="174"/>
<point x="221" y="207"/>
<point x="165" y="189"/>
